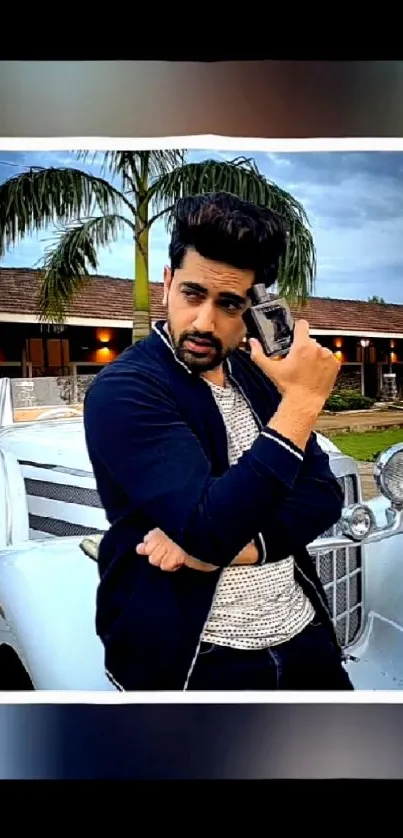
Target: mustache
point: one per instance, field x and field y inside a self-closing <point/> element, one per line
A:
<point x="202" y="337"/>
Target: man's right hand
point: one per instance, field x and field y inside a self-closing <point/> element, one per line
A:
<point x="309" y="371"/>
<point x="304" y="378"/>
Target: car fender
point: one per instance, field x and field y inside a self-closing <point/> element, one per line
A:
<point x="48" y="597"/>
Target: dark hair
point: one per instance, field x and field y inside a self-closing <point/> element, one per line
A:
<point x="224" y="228"/>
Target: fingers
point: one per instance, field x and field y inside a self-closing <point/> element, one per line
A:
<point x="162" y="552"/>
<point x="196" y="564"/>
<point x="256" y="351"/>
<point x="257" y="354"/>
<point x="150" y="542"/>
<point x="259" y="357"/>
<point x="173" y="560"/>
<point x="301" y="331"/>
<point x="158" y="554"/>
<point x="326" y="353"/>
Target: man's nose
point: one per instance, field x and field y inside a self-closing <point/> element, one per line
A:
<point x="204" y="319"/>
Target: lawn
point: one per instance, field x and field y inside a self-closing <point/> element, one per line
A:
<point x="364" y="446"/>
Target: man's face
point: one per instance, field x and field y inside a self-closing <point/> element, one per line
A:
<point x="205" y="303"/>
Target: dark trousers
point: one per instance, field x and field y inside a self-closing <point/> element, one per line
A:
<point x="307" y="662"/>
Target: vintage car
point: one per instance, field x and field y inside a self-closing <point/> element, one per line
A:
<point x="49" y="504"/>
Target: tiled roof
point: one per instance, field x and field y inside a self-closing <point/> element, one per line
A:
<point x="105" y="297"/>
<point x="352" y="315"/>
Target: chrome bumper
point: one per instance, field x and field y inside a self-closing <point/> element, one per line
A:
<point x="393" y="526"/>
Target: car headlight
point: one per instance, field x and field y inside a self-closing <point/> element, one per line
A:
<point x="357" y="521"/>
<point x="388" y="474"/>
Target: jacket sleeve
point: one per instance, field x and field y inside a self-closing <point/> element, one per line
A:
<point x="312" y="507"/>
<point x="135" y="431"/>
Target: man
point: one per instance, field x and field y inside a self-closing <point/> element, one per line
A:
<point x="206" y="460"/>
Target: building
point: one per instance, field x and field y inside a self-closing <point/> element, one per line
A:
<point x="366" y="337"/>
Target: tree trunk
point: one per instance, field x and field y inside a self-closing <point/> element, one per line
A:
<point x="141" y="295"/>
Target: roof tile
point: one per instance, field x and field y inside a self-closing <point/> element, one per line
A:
<point x="105" y="297"/>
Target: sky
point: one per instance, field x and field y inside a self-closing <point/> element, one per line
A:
<point x="354" y="203"/>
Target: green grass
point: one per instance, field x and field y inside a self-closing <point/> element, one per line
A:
<point x="366" y="445"/>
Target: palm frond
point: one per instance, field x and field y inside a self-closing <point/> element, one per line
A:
<point x="66" y="267"/>
<point x="130" y="166"/>
<point x="242" y="177"/>
<point x="29" y="202"/>
<point x="84" y="154"/>
<point x="123" y="165"/>
<point x="161" y="163"/>
<point x="115" y="161"/>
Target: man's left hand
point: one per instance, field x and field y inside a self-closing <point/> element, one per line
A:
<point x="164" y="553"/>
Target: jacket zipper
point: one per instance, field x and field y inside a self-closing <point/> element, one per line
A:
<point x="319" y="595"/>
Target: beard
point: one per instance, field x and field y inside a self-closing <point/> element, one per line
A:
<point x="199" y="351"/>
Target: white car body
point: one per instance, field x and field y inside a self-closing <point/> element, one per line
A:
<point x="48" y="502"/>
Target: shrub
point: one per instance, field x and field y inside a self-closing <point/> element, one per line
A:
<point x="335" y="403"/>
<point x="348" y="400"/>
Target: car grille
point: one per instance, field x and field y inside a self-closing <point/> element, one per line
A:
<point x="340" y="572"/>
<point x="57" y="508"/>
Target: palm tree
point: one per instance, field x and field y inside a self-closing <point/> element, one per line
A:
<point x="91" y="212"/>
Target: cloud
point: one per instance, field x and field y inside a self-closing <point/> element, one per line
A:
<point x="354" y="202"/>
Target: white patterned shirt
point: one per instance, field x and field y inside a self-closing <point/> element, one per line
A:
<point x="253" y="607"/>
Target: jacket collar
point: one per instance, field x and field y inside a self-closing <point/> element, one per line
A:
<point x="161" y="329"/>
<point x="256" y="388"/>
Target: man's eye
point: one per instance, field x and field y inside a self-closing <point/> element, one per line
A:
<point x="230" y="306"/>
<point x="191" y="295"/>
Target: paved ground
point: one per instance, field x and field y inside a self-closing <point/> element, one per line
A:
<point x="331" y="423"/>
<point x="369" y="489"/>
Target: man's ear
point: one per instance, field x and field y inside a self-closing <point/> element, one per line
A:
<point x="167" y="284"/>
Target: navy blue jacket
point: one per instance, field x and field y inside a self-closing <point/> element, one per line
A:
<point x="158" y="448"/>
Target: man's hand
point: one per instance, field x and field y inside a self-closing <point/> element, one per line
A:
<point x="307" y="373"/>
<point x="164" y="553"/>
<point x="304" y="379"/>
